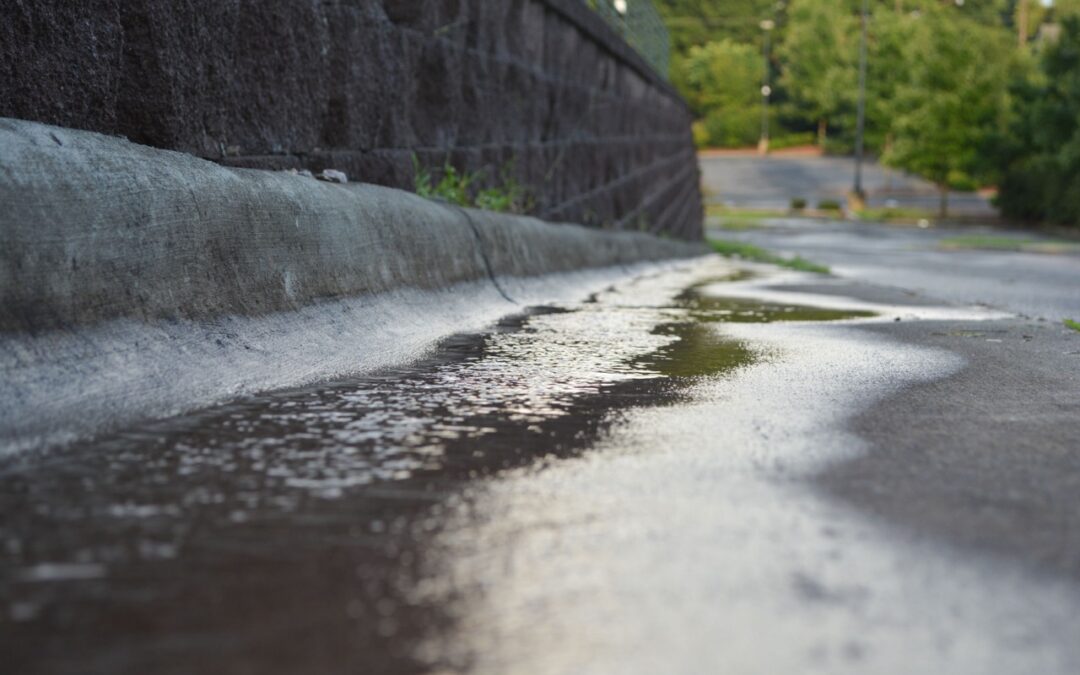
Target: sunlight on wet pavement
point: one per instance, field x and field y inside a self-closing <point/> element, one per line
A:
<point x="689" y="540"/>
<point x="335" y="528"/>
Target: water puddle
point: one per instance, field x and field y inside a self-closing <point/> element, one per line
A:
<point x="709" y="308"/>
<point x="697" y="352"/>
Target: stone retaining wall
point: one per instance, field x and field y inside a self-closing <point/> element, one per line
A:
<point x="543" y="88"/>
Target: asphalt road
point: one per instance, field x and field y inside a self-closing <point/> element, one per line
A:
<point x="750" y="181"/>
<point x="990" y="456"/>
<point x="716" y="467"/>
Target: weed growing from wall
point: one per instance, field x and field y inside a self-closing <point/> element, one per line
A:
<point x="460" y="188"/>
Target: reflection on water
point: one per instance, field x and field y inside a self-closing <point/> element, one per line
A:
<point x="710" y="308"/>
<point x="697" y="352"/>
<point x="277" y="534"/>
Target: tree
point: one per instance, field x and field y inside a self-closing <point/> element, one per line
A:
<point x="728" y="36"/>
<point x="954" y="99"/>
<point x="820" y="56"/>
<point x="693" y="23"/>
<point x="1041" y="160"/>
<point x="820" y="64"/>
<point x="721" y="81"/>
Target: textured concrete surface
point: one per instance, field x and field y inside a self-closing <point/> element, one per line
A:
<point x="136" y="281"/>
<point x="542" y="89"/>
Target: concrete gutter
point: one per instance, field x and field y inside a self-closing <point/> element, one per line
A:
<point x="137" y="283"/>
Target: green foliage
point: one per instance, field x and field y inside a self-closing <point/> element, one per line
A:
<point x="895" y="213"/>
<point x="820" y="60"/>
<point x="696" y="22"/>
<point x="798" y="204"/>
<point x="951" y="94"/>
<point x="721" y="81"/>
<point x="953" y="99"/>
<point x="984" y="242"/>
<point x="460" y="188"/>
<point x="1001" y="243"/>
<point x="732" y="127"/>
<point x="718" y="66"/>
<point x="829" y="205"/>
<point x="1075" y="325"/>
<point x="453" y="186"/>
<point x="738" y="249"/>
<point x="1040" y="157"/>
<point x="791" y="140"/>
<point x="509" y="196"/>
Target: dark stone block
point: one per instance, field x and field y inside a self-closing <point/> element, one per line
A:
<point x="542" y="89"/>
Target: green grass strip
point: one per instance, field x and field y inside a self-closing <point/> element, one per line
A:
<point x="737" y="249"/>
<point x="887" y="213"/>
<point x="720" y="211"/>
<point x="987" y="242"/>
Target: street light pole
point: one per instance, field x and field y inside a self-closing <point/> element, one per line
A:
<point x="860" y="120"/>
<point x="763" y="144"/>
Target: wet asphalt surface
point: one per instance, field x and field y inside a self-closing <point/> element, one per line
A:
<point x="721" y="467"/>
<point x="989" y="457"/>
<point x="772" y="182"/>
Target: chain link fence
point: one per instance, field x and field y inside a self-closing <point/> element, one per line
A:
<point x="638" y="22"/>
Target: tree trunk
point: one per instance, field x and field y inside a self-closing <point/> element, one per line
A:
<point x="1022" y="22"/>
<point x="822" y="132"/>
<point x="943" y="209"/>
<point x="888" y="169"/>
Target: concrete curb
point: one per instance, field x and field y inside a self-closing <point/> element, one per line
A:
<point x="137" y="282"/>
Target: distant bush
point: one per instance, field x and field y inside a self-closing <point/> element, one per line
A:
<point x="828" y="205"/>
<point x="736" y="127"/>
<point x="792" y="140"/>
<point x="839" y="146"/>
<point x="798" y="204"/>
<point x="962" y="182"/>
<point x="700" y="133"/>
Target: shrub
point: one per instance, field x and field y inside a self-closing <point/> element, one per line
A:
<point x="700" y="133"/>
<point x="828" y="205"/>
<point x="734" y="127"/>
<point x="798" y="204"/>
<point x="792" y="140"/>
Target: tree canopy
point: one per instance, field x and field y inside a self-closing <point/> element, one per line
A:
<point x="1040" y="156"/>
<point x="953" y="98"/>
<point x="963" y="92"/>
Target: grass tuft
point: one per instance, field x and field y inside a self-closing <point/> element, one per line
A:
<point x="1075" y="325"/>
<point x="738" y="249"/>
